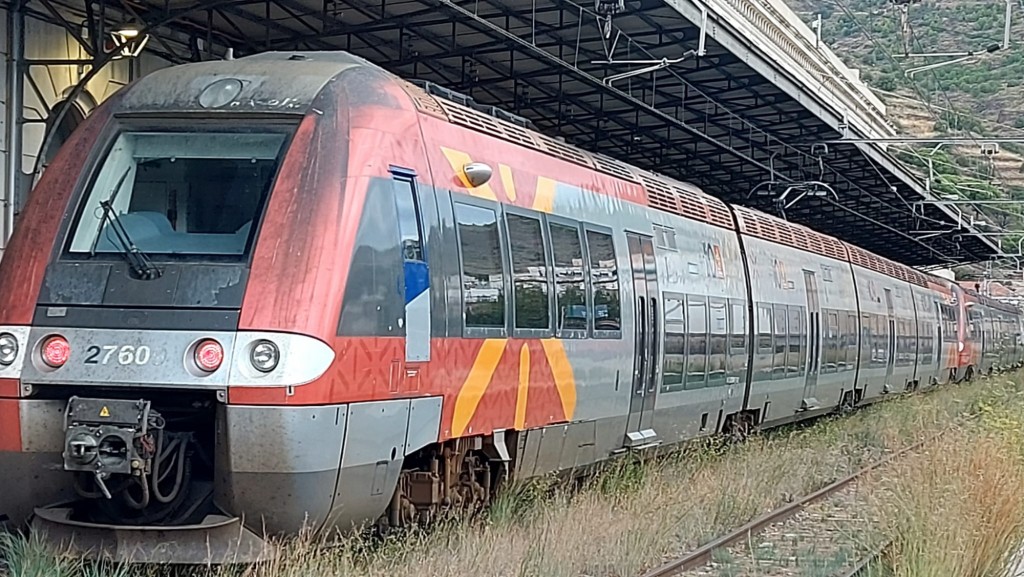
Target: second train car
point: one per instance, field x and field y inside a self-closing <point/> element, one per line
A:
<point x="295" y="289"/>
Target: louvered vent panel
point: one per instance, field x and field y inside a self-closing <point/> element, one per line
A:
<point x="662" y="193"/>
<point x="424" y="102"/>
<point x="772" y="229"/>
<point x="562" y="150"/>
<point x="518" y="134"/>
<point x="690" y="204"/>
<point x="665" y="195"/>
<point x="473" y="119"/>
<point x="613" y="167"/>
<point x="885" y="266"/>
<point x="487" y="124"/>
<point x="718" y="213"/>
<point x="659" y="195"/>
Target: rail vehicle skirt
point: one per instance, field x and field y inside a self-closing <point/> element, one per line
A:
<point x="217" y="540"/>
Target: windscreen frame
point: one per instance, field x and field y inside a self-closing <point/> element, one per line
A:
<point x="183" y="123"/>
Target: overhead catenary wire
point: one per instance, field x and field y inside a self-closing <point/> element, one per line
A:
<point x="842" y="5"/>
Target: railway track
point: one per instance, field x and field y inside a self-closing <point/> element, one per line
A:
<point x="824" y="523"/>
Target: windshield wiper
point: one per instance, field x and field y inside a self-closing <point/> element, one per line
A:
<point x="137" y="260"/>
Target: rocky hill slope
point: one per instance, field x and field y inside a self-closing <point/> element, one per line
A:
<point x="982" y="96"/>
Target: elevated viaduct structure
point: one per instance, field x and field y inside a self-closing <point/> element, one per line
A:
<point x="737" y="96"/>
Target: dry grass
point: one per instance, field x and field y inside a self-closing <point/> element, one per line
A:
<point x="638" y="512"/>
<point x="958" y="509"/>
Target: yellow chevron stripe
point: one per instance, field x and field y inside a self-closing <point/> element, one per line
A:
<point x="476" y="383"/>
<point x="524" y="386"/>
<point x="561" y="370"/>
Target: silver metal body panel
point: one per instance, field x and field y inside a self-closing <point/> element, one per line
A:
<point x="777" y="277"/>
<point x="113" y="357"/>
<point x="283" y="439"/>
<point x="42" y="425"/>
<point x="871" y="286"/>
<point x="603" y="368"/>
<point x="424" y="423"/>
<point x="928" y="319"/>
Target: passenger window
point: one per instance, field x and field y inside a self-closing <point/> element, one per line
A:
<point x="697" y="341"/>
<point x="604" y="280"/>
<point x="719" y="330"/>
<point x="675" y="345"/>
<point x="832" y="359"/>
<point x="763" y="361"/>
<point x="737" y="339"/>
<point x="796" y="357"/>
<point x="881" y="340"/>
<point x="483" y="283"/>
<point x="408" y="223"/>
<point x="570" y="284"/>
<point x="738" y="327"/>
<point x="781" y="343"/>
<point x="529" y="273"/>
<point x="851" y="341"/>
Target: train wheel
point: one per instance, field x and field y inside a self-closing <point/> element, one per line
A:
<point x="456" y="477"/>
<point x="738" y="426"/>
<point x="847" y="404"/>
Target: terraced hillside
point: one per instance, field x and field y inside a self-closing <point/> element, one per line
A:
<point x="981" y="97"/>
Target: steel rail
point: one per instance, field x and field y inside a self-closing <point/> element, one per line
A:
<point x="860" y="569"/>
<point x="702" y="555"/>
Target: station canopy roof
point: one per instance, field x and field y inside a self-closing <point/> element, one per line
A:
<point x="727" y="121"/>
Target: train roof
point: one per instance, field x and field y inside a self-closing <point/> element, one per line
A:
<point x="267" y="83"/>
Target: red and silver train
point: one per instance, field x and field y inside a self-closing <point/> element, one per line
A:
<point x="295" y="289"/>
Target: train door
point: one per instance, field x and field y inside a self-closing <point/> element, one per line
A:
<point x="414" y="262"/>
<point x="890" y="358"/>
<point x="813" y="362"/>
<point x="646" y="317"/>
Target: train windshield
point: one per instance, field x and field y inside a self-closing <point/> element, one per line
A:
<point x="179" y="193"/>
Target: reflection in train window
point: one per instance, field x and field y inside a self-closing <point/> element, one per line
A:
<point x="718" y="317"/>
<point x="926" y="340"/>
<point x="830" y="363"/>
<point x="796" y="358"/>
<point x="604" y="280"/>
<point x="763" y="359"/>
<point x="781" y="343"/>
<point x="483" y="283"/>
<point x="850" y="333"/>
<point x="738" y="339"/>
<point x="529" y="273"/>
<point x="570" y="286"/>
<point x="697" y="341"/>
<point x="408" y="223"/>
<point x="675" y="344"/>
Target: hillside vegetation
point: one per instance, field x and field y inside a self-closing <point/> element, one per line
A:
<point x="974" y="99"/>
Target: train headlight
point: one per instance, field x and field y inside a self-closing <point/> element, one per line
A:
<point x="8" y="348"/>
<point x="264" y="356"/>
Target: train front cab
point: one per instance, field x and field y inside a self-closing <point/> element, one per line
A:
<point x="220" y="337"/>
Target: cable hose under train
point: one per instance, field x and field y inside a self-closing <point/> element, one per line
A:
<point x="127" y="495"/>
<point x="182" y="443"/>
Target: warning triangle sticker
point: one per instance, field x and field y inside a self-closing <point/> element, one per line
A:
<point x="104" y="412"/>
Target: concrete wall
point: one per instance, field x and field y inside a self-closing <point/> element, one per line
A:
<point x="44" y="40"/>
